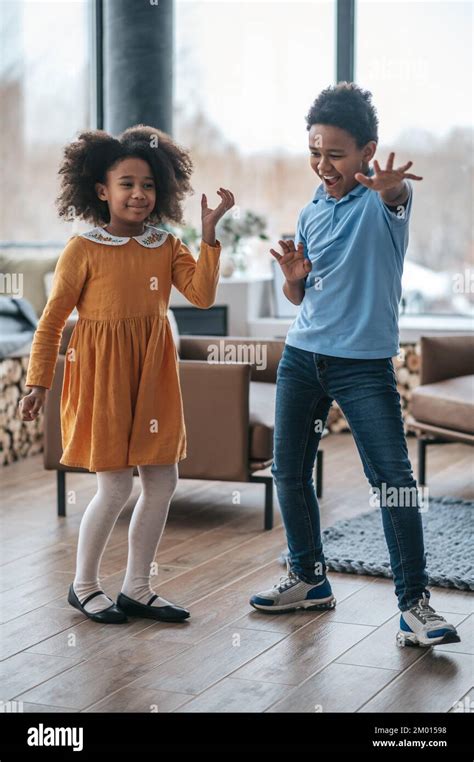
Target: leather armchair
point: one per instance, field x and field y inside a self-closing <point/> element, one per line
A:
<point x="442" y="407"/>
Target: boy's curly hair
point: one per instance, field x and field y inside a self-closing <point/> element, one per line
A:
<point x="87" y="159"/>
<point x="347" y="106"/>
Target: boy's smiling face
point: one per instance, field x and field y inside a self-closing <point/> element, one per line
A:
<point x="334" y="154"/>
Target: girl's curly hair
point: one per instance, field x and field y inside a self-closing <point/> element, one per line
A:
<point x="87" y="160"/>
<point x="348" y="106"/>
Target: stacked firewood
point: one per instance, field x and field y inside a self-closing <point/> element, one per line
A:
<point x="17" y="438"/>
<point x="407" y="368"/>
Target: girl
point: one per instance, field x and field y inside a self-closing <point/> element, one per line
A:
<point x="121" y="401"/>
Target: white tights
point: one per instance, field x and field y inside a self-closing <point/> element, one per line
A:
<point x="146" y="528"/>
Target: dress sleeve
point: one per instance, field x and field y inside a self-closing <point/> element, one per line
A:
<point x="70" y="276"/>
<point x="196" y="279"/>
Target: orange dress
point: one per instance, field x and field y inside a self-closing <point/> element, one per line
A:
<point x="121" y="399"/>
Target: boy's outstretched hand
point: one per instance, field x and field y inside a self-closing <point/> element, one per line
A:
<point x="388" y="179"/>
<point x="294" y="264"/>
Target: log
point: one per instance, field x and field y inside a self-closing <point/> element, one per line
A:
<point x="414" y="380"/>
<point x="413" y="362"/>
<point x="403" y="375"/>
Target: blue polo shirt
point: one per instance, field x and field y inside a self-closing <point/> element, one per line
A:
<point x="357" y="246"/>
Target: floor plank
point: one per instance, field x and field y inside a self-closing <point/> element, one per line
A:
<point x="210" y="660"/>
<point x="103" y="674"/>
<point x="433" y="684"/>
<point x="336" y="688"/>
<point x="304" y="652"/>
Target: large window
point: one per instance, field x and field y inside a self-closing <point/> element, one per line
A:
<point x="45" y="101"/>
<point x="416" y="59"/>
<point x="246" y="74"/>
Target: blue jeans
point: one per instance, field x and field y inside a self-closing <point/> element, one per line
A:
<point x="366" y="391"/>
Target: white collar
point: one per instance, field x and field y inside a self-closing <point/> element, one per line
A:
<point x="151" y="238"/>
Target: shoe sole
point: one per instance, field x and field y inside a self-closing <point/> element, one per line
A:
<point x="151" y="615"/>
<point x="304" y="605"/>
<point x="411" y="640"/>
<point x="148" y="612"/>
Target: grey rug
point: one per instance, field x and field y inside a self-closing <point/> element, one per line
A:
<point x="357" y="546"/>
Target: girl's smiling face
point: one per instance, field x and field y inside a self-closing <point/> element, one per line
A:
<point x="334" y="155"/>
<point x="129" y="191"/>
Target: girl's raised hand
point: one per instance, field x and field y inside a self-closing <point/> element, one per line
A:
<point x="294" y="264"/>
<point x="210" y="217"/>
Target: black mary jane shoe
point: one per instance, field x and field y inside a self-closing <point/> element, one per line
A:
<point x="162" y="613"/>
<point x="111" y="615"/>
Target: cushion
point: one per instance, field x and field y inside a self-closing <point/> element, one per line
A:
<point x="448" y="404"/>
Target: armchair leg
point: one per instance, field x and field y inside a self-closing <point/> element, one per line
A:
<point x="319" y="473"/>
<point x="61" y="491"/>
<point x="422" y="444"/>
<point x="268" y="482"/>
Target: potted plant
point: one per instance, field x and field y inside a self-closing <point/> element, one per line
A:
<point x="235" y="232"/>
<point x="186" y="233"/>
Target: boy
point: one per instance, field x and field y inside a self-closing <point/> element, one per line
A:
<point x="346" y="271"/>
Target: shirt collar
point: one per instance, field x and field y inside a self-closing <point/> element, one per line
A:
<point x="358" y="190"/>
<point x="151" y="238"/>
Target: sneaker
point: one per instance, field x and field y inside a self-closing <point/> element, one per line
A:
<point x="422" y="626"/>
<point x="291" y="593"/>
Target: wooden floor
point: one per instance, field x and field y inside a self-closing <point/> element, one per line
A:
<point x="226" y="657"/>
